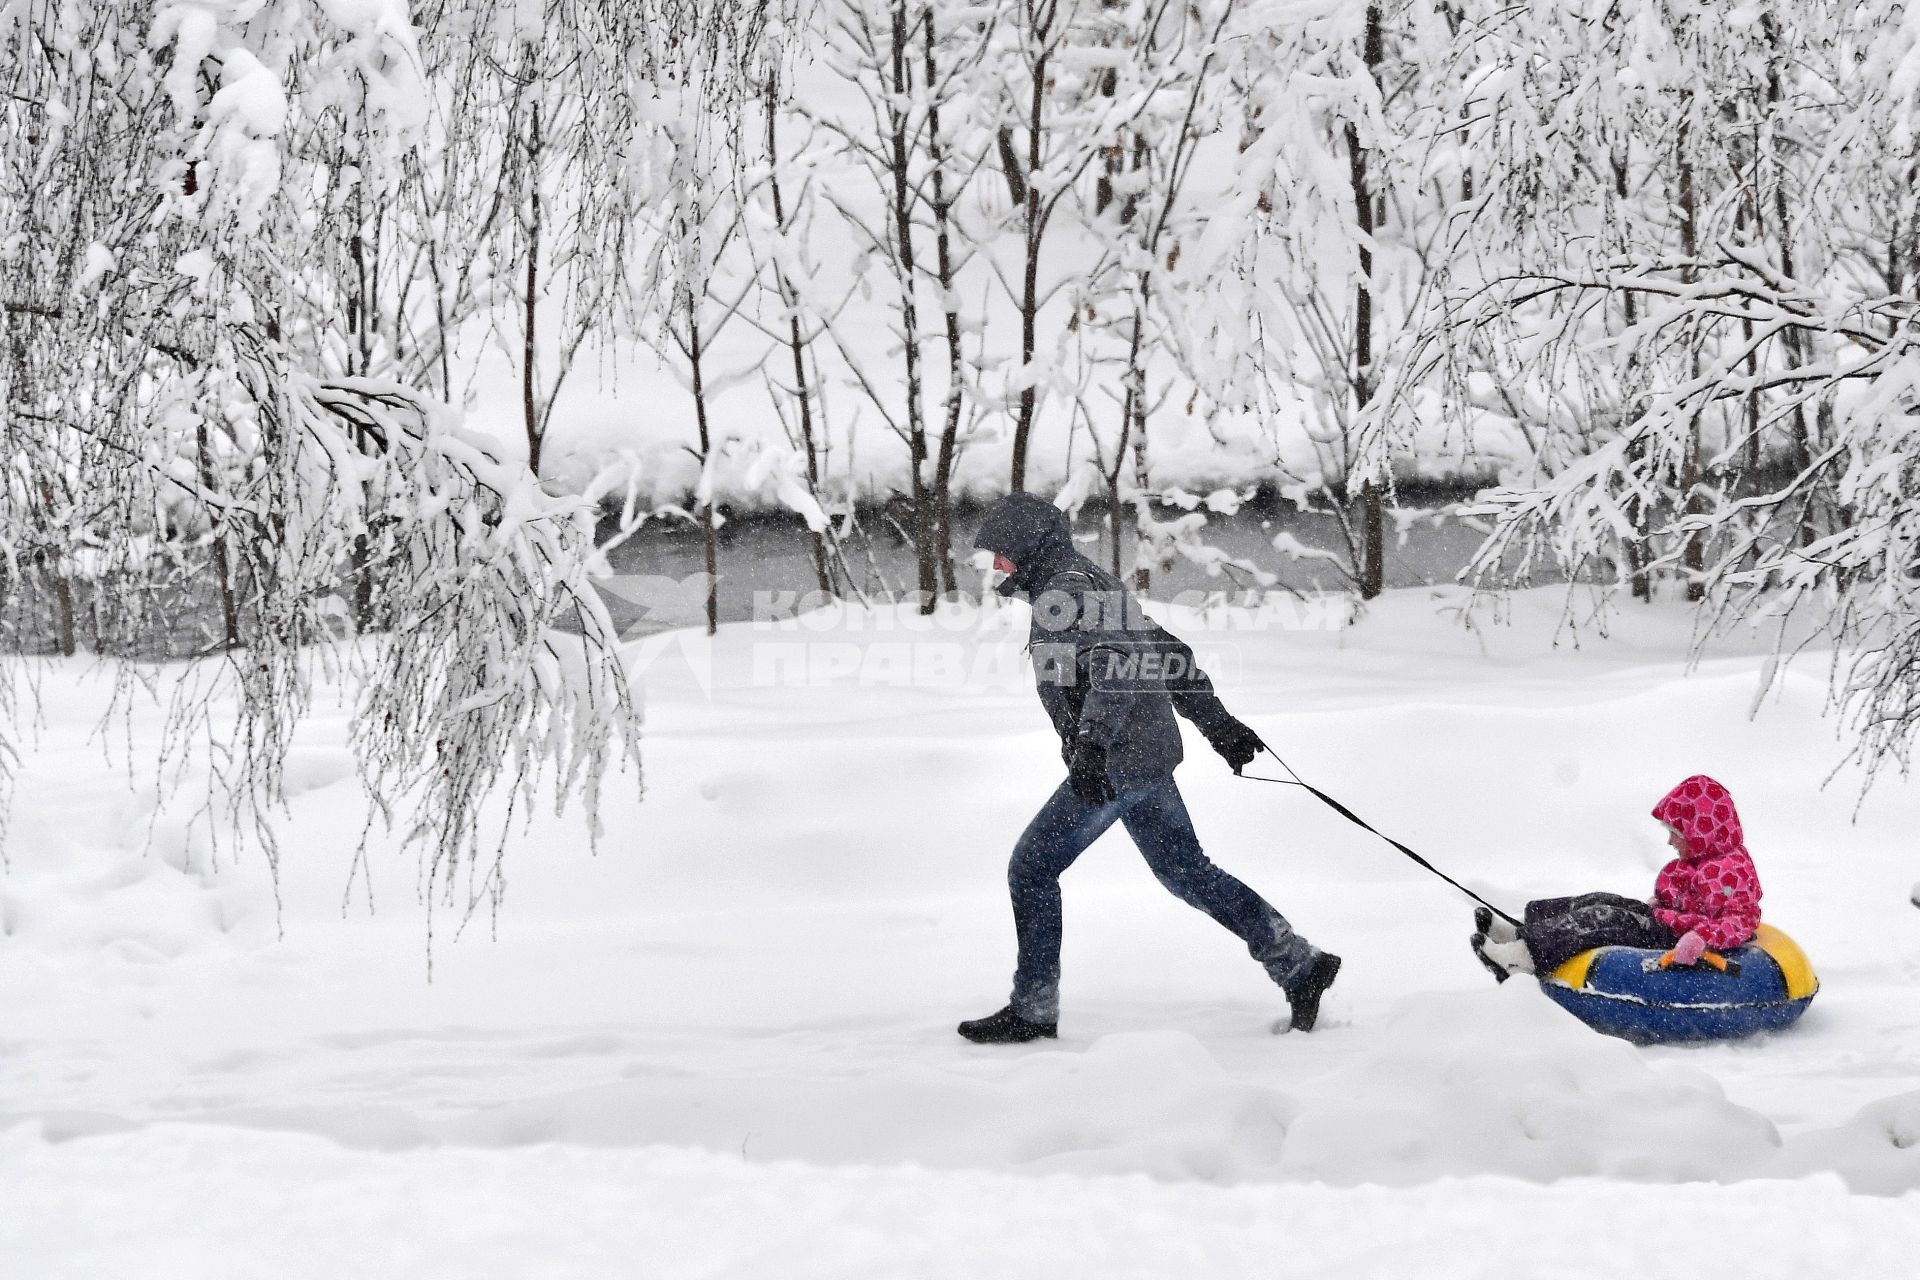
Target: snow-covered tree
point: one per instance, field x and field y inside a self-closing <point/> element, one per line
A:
<point x="1702" y="260"/>
<point x="914" y="149"/>
<point x="206" y="347"/>
<point x="1313" y="252"/>
<point x="1131" y="311"/>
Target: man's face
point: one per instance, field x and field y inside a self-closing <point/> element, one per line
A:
<point x="1003" y="564"/>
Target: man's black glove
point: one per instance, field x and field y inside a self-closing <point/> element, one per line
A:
<point x="1087" y="773"/>
<point x="1236" y="743"/>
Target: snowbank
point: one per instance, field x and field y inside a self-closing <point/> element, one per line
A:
<point x="217" y="1205"/>
<point x="1503" y="1082"/>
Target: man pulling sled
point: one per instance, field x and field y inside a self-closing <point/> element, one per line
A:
<point x="1111" y="680"/>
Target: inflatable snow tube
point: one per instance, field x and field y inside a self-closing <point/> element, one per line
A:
<point x="1622" y="991"/>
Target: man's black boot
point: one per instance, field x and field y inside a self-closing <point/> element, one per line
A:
<point x="1007" y="1027"/>
<point x="1305" y="998"/>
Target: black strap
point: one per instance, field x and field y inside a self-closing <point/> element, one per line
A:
<point x="1358" y="821"/>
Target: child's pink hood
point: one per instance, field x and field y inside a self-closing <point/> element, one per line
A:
<point x="1702" y="810"/>
<point x="1712" y="889"/>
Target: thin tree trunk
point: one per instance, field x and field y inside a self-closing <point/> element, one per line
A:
<point x="1750" y="456"/>
<point x="1134" y="433"/>
<point x="1130" y="390"/>
<point x="1792" y="339"/>
<point x="708" y="535"/>
<point x="1133" y="430"/>
<point x="924" y="518"/>
<point x="358" y="308"/>
<point x="822" y="567"/>
<point x="943" y="262"/>
<point x="222" y="569"/>
<point x="1030" y="275"/>
<point x="440" y="318"/>
<point x="1906" y="283"/>
<point x="357" y="299"/>
<point x="62" y="589"/>
<point x="1692" y="552"/>
<point x="1372" y="569"/>
<point x="1638" y="580"/>
<point x="62" y="585"/>
<point x="530" y="404"/>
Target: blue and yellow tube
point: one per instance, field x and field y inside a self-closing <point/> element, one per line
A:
<point x="1623" y="991"/>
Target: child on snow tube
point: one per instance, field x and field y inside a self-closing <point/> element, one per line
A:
<point x="1706" y="899"/>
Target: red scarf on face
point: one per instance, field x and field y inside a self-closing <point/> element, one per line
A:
<point x="1712" y="888"/>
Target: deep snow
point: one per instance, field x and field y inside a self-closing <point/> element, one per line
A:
<point x="764" y="963"/>
<point x="224" y="1203"/>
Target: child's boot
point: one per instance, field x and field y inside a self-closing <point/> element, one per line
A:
<point x="1502" y="959"/>
<point x="1495" y="929"/>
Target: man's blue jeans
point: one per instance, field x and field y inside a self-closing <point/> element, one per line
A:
<point x="1156" y="818"/>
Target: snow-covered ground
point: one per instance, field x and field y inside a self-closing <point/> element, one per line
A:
<point x="724" y="1046"/>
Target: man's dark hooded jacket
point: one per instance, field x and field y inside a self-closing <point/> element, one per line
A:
<point x="1106" y="673"/>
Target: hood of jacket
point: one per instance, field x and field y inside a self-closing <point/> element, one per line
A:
<point x="1032" y="533"/>
<point x="1702" y="811"/>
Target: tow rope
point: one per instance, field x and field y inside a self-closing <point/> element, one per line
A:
<point x="1295" y="780"/>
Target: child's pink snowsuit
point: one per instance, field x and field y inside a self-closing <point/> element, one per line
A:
<point x="1713" y="888"/>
